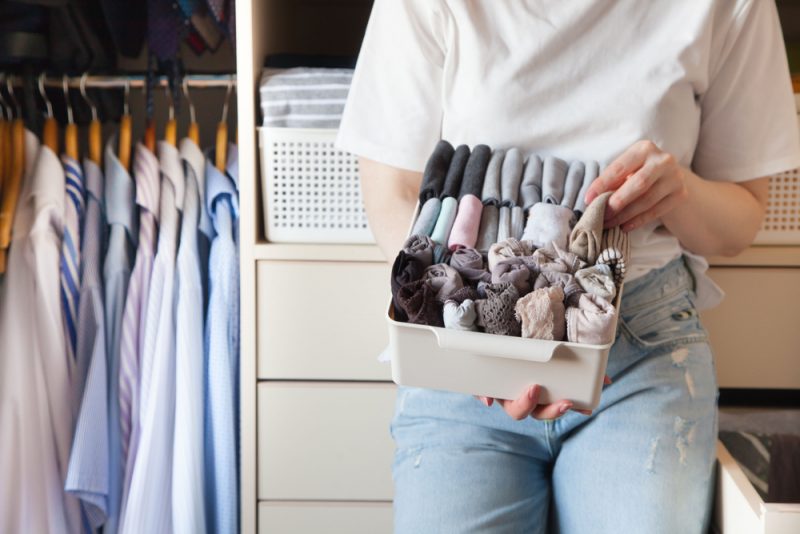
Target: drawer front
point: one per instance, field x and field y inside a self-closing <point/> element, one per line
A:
<point x="322" y="320"/>
<point x="325" y="441"/>
<point x="755" y="332"/>
<point x="331" y="518"/>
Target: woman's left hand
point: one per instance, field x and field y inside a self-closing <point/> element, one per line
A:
<point x="647" y="182"/>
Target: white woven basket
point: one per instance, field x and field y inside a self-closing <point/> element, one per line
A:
<point x="311" y="190"/>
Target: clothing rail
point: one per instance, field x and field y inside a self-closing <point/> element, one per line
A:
<point x="132" y="81"/>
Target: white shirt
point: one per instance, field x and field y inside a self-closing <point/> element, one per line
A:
<point x="705" y="80"/>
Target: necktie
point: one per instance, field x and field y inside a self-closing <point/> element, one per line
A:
<point x="70" y="251"/>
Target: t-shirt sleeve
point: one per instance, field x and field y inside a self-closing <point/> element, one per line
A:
<point x="749" y="124"/>
<point x="394" y="108"/>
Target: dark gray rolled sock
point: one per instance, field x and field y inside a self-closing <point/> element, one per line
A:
<point x="531" y="188"/>
<point x="554" y="174"/>
<point x="590" y="174"/>
<point x="487" y="233"/>
<point x="510" y="178"/>
<point x="455" y="173"/>
<point x="491" y="184"/>
<point x="435" y="171"/>
<point x="573" y="184"/>
<point x="475" y="172"/>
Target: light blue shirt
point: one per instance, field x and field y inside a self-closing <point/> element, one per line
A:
<point x="222" y="359"/>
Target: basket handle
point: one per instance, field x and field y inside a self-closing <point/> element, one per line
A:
<point x="496" y="346"/>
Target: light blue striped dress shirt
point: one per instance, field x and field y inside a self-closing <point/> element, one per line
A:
<point x="222" y="359"/>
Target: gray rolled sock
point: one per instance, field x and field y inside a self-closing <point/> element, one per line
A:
<point x="426" y="219"/>
<point x="510" y="177"/>
<point x="590" y="173"/>
<point x="475" y="172"/>
<point x="517" y="222"/>
<point x="504" y="224"/>
<point x="490" y="194"/>
<point x="487" y="234"/>
<point x="554" y="174"/>
<point x="573" y="183"/>
<point x="455" y="173"/>
<point x="531" y="188"/>
<point x="435" y="171"/>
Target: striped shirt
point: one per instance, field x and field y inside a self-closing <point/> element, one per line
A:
<point x="304" y="97"/>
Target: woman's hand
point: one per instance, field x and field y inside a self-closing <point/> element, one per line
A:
<point x="648" y="183"/>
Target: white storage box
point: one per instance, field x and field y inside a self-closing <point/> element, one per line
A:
<point x="740" y="510"/>
<point x="311" y="190"/>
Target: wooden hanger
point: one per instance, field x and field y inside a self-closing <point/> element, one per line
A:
<point x="13" y="184"/>
<point x="222" y="133"/>
<point x="71" y="129"/>
<point x="124" y="150"/>
<point x="50" y="131"/>
<point x="95" y="128"/>
<point x="194" y="129"/>
<point x="5" y="143"/>
<point x="171" y="128"/>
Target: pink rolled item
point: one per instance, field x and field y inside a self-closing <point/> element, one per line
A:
<point x="541" y="313"/>
<point x="464" y="233"/>
<point x="592" y="322"/>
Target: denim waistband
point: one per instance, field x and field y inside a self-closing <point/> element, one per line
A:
<point x="671" y="279"/>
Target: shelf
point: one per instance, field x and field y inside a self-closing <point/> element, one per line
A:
<point x="761" y="256"/>
<point x="314" y="252"/>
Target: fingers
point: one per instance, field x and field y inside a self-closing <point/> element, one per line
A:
<point x="487" y="401"/>
<point x="551" y="411"/>
<point x="521" y="407"/>
<point x="661" y="209"/>
<point x="649" y="198"/>
<point x="626" y="164"/>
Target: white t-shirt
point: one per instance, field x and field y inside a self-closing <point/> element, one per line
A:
<point x="706" y="80"/>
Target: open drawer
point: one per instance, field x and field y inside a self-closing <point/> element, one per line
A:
<point x="740" y="510"/>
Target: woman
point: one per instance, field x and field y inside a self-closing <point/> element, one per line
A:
<point x="689" y="104"/>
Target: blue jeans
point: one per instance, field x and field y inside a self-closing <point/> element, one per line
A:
<point x="642" y="463"/>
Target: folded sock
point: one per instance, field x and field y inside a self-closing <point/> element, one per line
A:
<point x="460" y="316"/>
<point x="468" y="220"/>
<point x="541" y="313"/>
<point x="490" y="221"/>
<point x="572" y="290"/>
<point x="441" y="254"/>
<point x="455" y="173"/>
<point x="507" y="249"/>
<point x="510" y="177"/>
<point x="436" y="171"/>
<point x="554" y="258"/>
<point x="587" y="236"/>
<point x="573" y="183"/>
<point x="554" y="174"/>
<point x="615" y="252"/>
<point x="426" y="218"/>
<point x="597" y="280"/>
<point x="470" y="265"/>
<point x="517" y="222"/>
<point x="443" y="279"/>
<point x="475" y="172"/>
<point x="407" y="268"/>
<point x="590" y="173"/>
<point x="490" y="194"/>
<point x="531" y="188"/>
<point x="549" y="223"/>
<point x="592" y="321"/>
<point x="421" y="247"/>
<point x="496" y="311"/>
<point x="418" y="301"/>
<point x="444" y="223"/>
<point x="515" y="271"/>
<point x="504" y="223"/>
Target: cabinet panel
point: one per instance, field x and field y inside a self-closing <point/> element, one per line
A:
<point x="325" y="441"/>
<point x="755" y="332"/>
<point x="328" y="517"/>
<point x="322" y="320"/>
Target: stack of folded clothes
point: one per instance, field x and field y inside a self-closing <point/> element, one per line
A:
<point x="304" y="97"/>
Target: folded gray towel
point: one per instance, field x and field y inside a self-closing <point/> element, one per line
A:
<point x="573" y="183"/>
<point x="491" y="183"/>
<point x="475" y="172"/>
<point x="455" y="173"/>
<point x="427" y="217"/>
<point x="554" y="174"/>
<point x="517" y="222"/>
<point x="504" y="224"/>
<point x="304" y="97"/>
<point x="435" y="171"/>
<point x="510" y="177"/>
<point x="487" y="233"/>
<point x="531" y="188"/>
<point x="590" y="173"/>
<point x="549" y="223"/>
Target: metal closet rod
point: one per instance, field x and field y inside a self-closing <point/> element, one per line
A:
<point x="134" y="81"/>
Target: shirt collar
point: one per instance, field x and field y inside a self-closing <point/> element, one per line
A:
<point x="219" y="185"/>
<point x="145" y="167"/>
<point x="232" y="167"/>
<point x="93" y="179"/>
<point x="196" y="161"/>
<point x="119" y="193"/>
<point x="170" y="165"/>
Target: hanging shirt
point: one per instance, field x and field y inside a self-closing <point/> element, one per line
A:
<point x="222" y="364"/>
<point x="35" y="375"/>
<point x="149" y="501"/>
<point x="87" y="477"/>
<point x="74" y="207"/>
<point x="188" y="491"/>
<point x="148" y="192"/>
<point x="122" y="233"/>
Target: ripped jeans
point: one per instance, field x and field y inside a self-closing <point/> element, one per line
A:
<point x="641" y="463"/>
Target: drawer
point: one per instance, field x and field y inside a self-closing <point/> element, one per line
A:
<point x="322" y="320"/>
<point x="325" y="441"/>
<point x="755" y="332"/>
<point x="328" y="517"/>
<point x="740" y="510"/>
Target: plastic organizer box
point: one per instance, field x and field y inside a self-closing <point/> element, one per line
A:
<point x="497" y="366"/>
